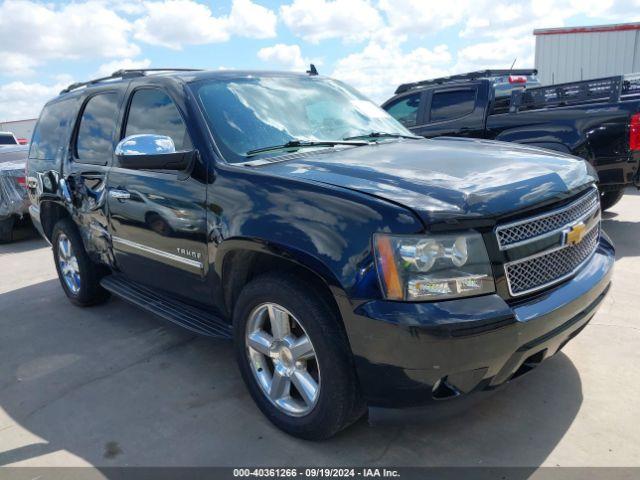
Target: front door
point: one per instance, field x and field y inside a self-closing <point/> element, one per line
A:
<point x="158" y="218"/>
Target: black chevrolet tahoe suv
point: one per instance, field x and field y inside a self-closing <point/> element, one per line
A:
<point x="598" y="120"/>
<point x="353" y="264"/>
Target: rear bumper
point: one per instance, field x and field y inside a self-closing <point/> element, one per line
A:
<point x="411" y="354"/>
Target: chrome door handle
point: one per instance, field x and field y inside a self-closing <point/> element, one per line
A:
<point x="120" y="194"/>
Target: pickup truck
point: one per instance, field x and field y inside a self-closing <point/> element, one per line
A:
<point x="598" y="120"/>
<point x="353" y="264"/>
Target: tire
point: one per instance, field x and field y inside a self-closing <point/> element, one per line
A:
<point x="6" y="229"/>
<point x="82" y="286"/>
<point x="609" y="199"/>
<point x="337" y="401"/>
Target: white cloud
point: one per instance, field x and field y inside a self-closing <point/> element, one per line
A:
<point x="19" y="100"/>
<point x="284" y="56"/>
<point x="496" y="54"/>
<point x="15" y="64"/>
<point x="175" y="23"/>
<point x="488" y="41"/>
<point x="75" y="30"/>
<point x="126" y="63"/>
<point x="424" y="17"/>
<point x="379" y="69"/>
<point x="249" y="19"/>
<point x="316" y="20"/>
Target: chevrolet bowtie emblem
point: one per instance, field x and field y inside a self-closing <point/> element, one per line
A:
<point x="575" y="234"/>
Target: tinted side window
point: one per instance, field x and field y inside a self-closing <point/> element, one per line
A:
<point x="152" y="111"/>
<point x="452" y="104"/>
<point x="50" y="134"/>
<point x="405" y="110"/>
<point x="95" y="134"/>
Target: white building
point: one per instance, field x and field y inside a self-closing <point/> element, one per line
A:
<point x="582" y="53"/>
<point x="20" y="128"/>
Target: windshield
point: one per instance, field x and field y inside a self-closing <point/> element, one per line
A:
<point x="250" y="113"/>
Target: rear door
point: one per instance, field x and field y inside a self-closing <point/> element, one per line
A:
<point x="158" y="218"/>
<point x="86" y="168"/>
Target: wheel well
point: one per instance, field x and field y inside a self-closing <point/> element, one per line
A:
<point x="50" y="214"/>
<point x="242" y="266"/>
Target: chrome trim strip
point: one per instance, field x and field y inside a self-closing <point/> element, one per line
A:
<point x="542" y="254"/>
<point x="159" y="253"/>
<point x="545" y="215"/>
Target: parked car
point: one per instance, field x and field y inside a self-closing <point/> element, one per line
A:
<point x="8" y="138"/>
<point x="598" y="120"/>
<point x="353" y="264"/>
<point x="14" y="203"/>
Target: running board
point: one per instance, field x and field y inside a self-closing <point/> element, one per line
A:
<point x="192" y="318"/>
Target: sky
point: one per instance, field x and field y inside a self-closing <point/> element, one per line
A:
<point x="373" y="45"/>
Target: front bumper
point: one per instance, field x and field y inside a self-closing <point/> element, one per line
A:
<point x="410" y="354"/>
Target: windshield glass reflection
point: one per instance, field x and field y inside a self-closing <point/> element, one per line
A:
<point x="249" y="113"/>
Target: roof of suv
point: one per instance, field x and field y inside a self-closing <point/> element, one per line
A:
<point x="186" y="75"/>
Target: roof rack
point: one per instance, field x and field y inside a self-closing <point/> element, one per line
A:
<point x="125" y="73"/>
<point x="466" y="76"/>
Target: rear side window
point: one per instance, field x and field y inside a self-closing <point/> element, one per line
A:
<point x="405" y="110"/>
<point x="94" y="143"/>
<point x="452" y="104"/>
<point x="50" y="135"/>
<point x="152" y="111"/>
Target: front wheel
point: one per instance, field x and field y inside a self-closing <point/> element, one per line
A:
<point x="79" y="276"/>
<point x="294" y="358"/>
<point x="609" y="199"/>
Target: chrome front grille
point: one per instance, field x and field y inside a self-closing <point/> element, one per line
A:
<point x="569" y="235"/>
<point x="552" y="266"/>
<point x="516" y="233"/>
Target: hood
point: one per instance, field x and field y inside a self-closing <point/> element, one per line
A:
<point x="446" y="178"/>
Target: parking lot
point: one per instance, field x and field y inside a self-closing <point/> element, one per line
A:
<point x="111" y="386"/>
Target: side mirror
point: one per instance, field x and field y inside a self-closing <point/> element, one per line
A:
<point x="151" y="152"/>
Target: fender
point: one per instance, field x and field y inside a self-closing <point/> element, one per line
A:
<point x="284" y="252"/>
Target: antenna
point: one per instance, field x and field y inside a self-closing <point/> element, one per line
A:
<point x="312" y="70"/>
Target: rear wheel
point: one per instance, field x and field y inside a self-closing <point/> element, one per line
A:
<point x="609" y="199"/>
<point x="294" y="358"/>
<point x="79" y="276"/>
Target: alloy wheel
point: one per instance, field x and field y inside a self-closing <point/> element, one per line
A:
<point x="68" y="263"/>
<point x="283" y="359"/>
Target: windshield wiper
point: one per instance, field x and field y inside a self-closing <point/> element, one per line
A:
<point x="303" y="144"/>
<point x="382" y="135"/>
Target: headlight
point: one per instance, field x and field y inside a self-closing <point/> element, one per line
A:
<point x="433" y="267"/>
